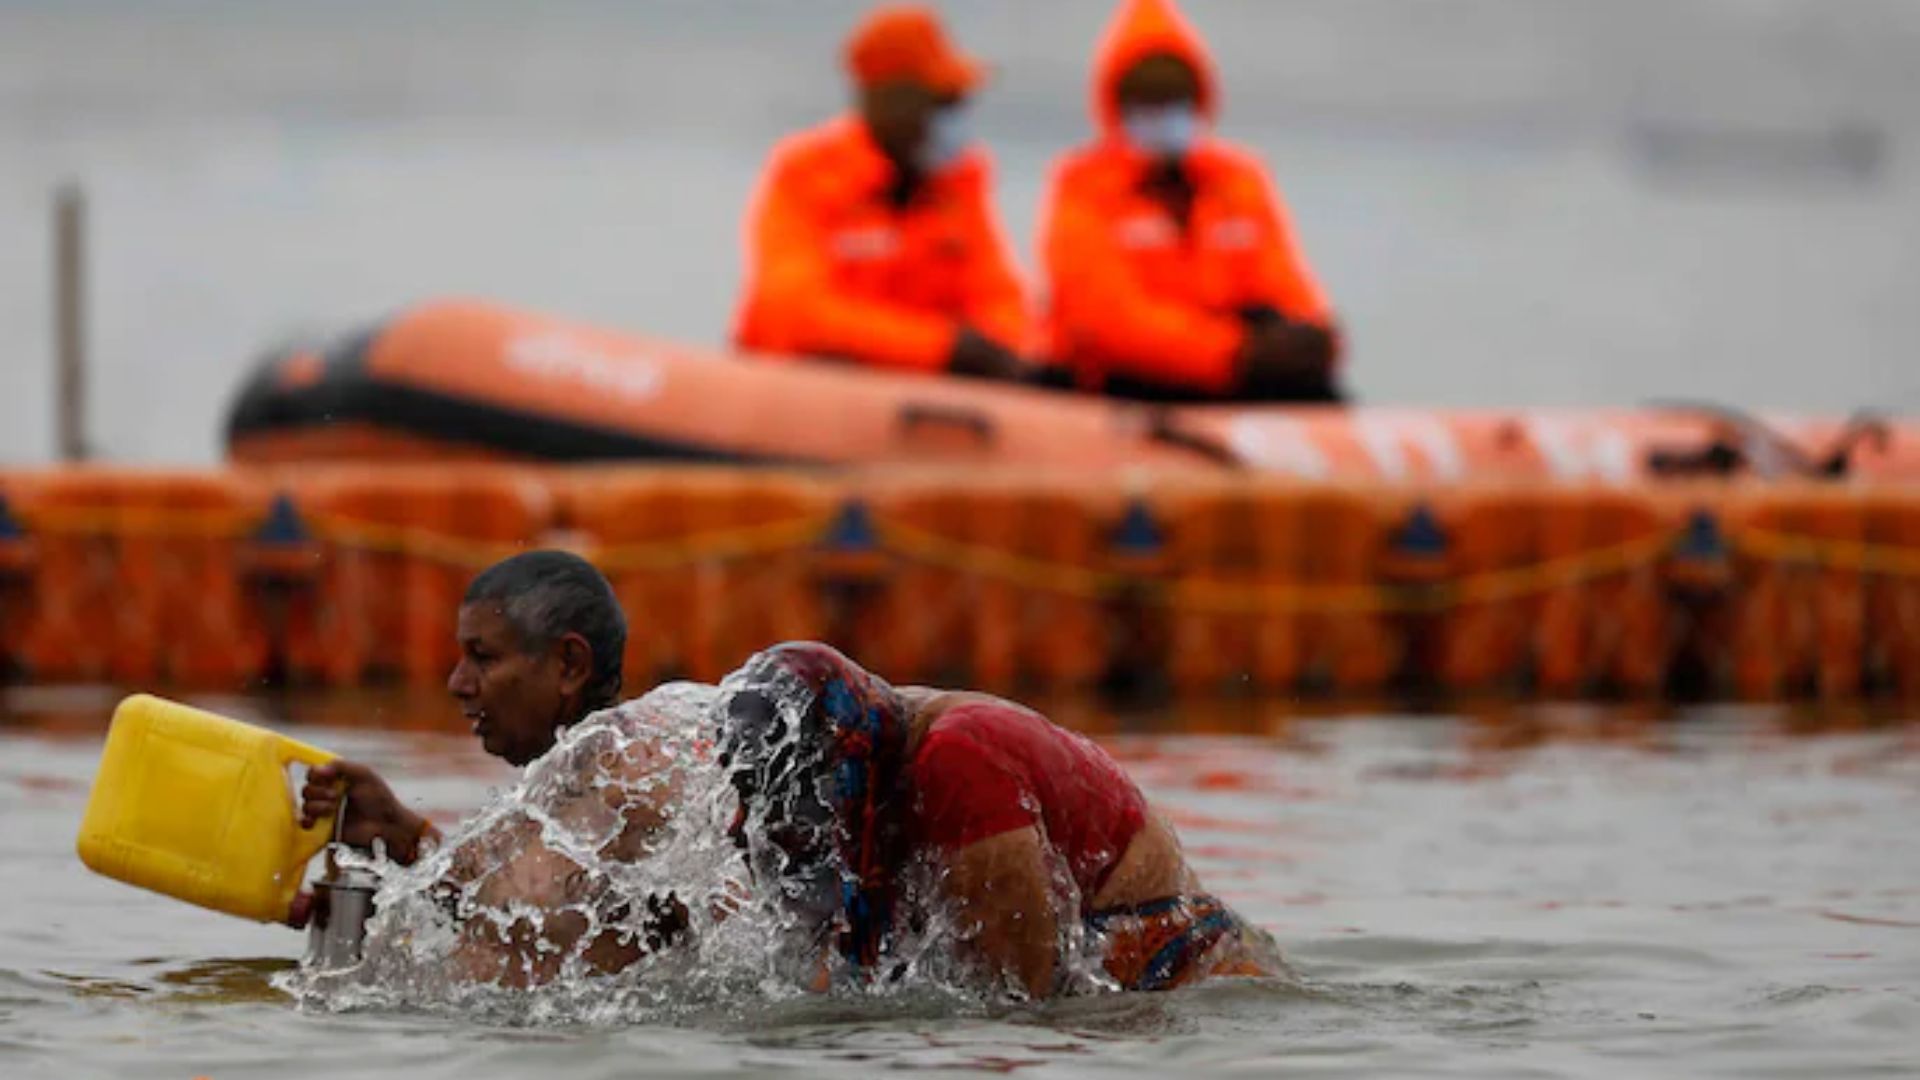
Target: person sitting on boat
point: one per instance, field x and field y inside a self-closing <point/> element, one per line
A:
<point x="1172" y="271"/>
<point x="872" y="237"/>
<point x="1034" y="836"/>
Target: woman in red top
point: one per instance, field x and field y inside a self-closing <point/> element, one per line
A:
<point x="845" y="782"/>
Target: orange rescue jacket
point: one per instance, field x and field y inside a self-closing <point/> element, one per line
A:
<point x="833" y="268"/>
<point x="1130" y="292"/>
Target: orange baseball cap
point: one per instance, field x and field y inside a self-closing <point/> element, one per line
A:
<point x="905" y="42"/>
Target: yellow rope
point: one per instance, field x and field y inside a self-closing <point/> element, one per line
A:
<point x="402" y="540"/>
<point x="665" y="554"/>
<point x="1253" y="597"/>
<point x="142" y="521"/>
<point x="1840" y="554"/>
<point x="1083" y="582"/>
<point x="713" y="545"/>
<point x="1507" y="584"/>
<point x="1567" y="570"/>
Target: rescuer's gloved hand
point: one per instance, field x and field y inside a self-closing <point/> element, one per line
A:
<point x="1049" y="377"/>
<point x="1260" y="316"/>
<point x="977" y="356"/>
<point x="1287" y="362"/>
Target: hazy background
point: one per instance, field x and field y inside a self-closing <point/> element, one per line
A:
<point x="1512" y="201"/>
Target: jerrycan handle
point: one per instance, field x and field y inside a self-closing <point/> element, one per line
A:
<point x="309" y="840"/>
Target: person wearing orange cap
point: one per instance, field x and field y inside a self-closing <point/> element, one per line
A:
<point x="1173" y="272"/>
<point x="872" y="237"/>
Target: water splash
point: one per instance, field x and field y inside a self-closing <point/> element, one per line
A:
<point x="605" y="888"/>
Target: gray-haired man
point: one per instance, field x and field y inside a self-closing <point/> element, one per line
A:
<point x="541" y="637"/>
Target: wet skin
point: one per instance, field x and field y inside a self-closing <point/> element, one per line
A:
<point x="515" y="696"/>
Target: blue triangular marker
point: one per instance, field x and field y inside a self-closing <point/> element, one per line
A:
<point x="283" y="526"/>
<point x="852" y="528"/>
<point x="1420" y="534"/>
<point x="1138" y="533"/>
<point x="1702" y="539"/>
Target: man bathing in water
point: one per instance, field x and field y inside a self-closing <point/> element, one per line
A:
<point x="846" y="782"/>
<point x="541" y="638"/>
<point x="845" y="785"/>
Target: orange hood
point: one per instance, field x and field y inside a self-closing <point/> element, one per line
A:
<point x="1139" y="29"/>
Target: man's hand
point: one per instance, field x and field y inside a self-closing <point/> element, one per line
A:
<point x="373" y="811"/>
<point x="300" y="911"/>
<point x="977" y="356"/>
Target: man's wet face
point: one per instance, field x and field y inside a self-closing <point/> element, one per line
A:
<point x="782" y="823"/>
<point x="512" y="696"/>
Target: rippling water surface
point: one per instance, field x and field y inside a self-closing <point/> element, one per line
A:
<point x="1557" y="891"/>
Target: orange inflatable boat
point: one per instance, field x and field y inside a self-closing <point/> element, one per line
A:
<point x="465" y="380"/>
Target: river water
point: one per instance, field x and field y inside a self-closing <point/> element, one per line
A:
<point x="1513" y="202"/>
<point x="1553" y="891"/>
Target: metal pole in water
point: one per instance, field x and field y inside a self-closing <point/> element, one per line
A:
<point x="69" y="318"/>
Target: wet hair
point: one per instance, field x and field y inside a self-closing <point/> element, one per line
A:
<point x="546" y="595"/>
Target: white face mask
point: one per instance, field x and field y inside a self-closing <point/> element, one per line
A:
<point x="949" y="134"/>
<point x="1161" y="130"/>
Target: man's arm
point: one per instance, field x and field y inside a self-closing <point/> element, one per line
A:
<point x="498" y="943"/>
<point x="1006" y="903"/>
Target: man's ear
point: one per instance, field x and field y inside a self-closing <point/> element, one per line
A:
<point x="576" y="663"/>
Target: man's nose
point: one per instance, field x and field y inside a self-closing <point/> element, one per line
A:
<point x="459" y="684"/>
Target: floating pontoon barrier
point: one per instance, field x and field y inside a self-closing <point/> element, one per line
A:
<point x="347" y="575"/>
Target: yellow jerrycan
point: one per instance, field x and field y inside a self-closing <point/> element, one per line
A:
<point x="199" y="807"/>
